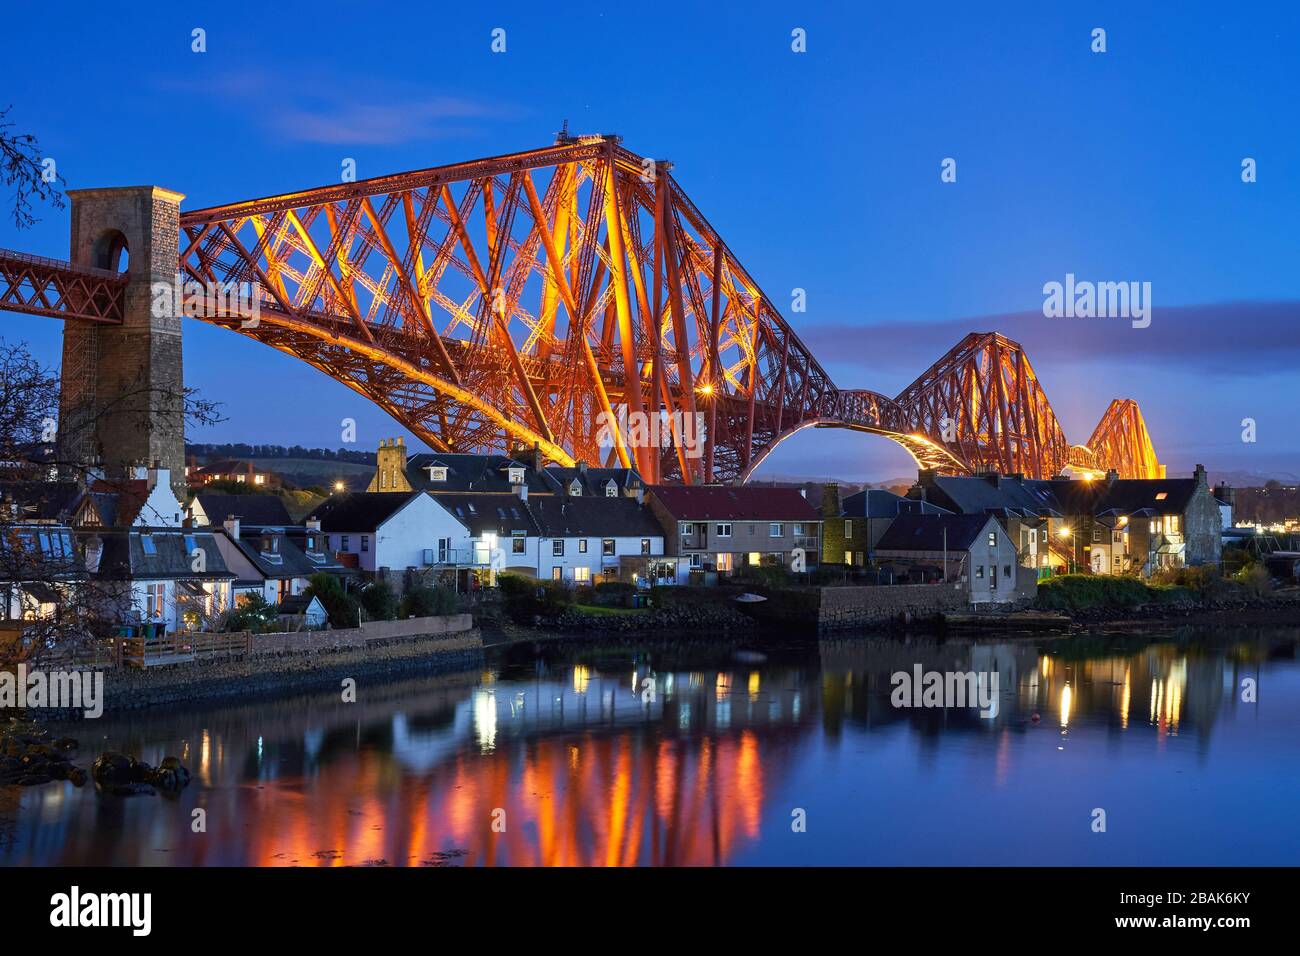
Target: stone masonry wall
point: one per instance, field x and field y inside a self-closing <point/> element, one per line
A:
<point x="289" y="663"/>
<point x="850" y="607"/>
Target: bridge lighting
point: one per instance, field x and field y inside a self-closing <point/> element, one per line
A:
<point x="706" y="389"/>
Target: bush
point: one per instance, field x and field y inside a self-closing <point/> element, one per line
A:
<point x="613" y="593"/>
<point x="254" y="614"/>
<point x="340" y="606"/>
<point x="1079" y="592"/>
<point x="379" y="602"/>
<point x="428" y="602"/>
<point x="526" y="598"/>
<point x="1254" y="579"/>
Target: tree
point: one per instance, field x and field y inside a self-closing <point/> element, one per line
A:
<point x="379" y="602"/>
<point x="24" y="170"/>
<point x="341" y="607"/>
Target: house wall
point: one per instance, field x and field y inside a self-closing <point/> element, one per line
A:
<point x="981" y="583"/>
<point x="594" y="561"/>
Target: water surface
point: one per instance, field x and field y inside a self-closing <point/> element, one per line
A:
<point x="561" y="749"/>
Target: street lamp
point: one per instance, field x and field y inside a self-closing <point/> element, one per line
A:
<point x="1074" y="545"/>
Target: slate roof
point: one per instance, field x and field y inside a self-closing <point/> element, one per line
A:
<point x="292" y="561"/>
<point x="1059" y="497"/>
<point x="734" y="503"/>
<point x="592" y="481"/>
<point x="482" y="474"/>
<point x="560" y="516"/>
<point x="360" y="510"/>
<point x="124" y="556"/>
<point x="297" y="603"/>
<point x="253" y="511"/>
<point x="879" y="503"/>
<point x="926" y="532"/>
<point x="500" y="514"/>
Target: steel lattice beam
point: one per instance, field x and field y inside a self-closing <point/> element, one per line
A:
<point x="515" y="300"/>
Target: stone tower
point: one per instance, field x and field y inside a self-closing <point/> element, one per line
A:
<point x="122" y="396"/>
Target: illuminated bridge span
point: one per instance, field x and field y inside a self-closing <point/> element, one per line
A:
<point x="515" y="300"/>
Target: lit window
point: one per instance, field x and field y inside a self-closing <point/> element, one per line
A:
<point x="517" y="544"/>
<point x="582" y="574"/>
<point x="557" y="573"/>
<point x="437" y="473"/>
<point x="993" y="539"/>
<point x="582" y="545"/>
<point x="645" y="545"/>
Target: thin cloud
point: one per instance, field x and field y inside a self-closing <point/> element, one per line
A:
<point x="1226" y="338"/>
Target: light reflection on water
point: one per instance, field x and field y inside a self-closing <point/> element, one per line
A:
<point x="568" y="755"/>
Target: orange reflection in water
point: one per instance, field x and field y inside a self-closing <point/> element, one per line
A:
<point x="590" y="800"/>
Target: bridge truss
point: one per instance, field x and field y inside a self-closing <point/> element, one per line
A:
<point x="534" y="298"/>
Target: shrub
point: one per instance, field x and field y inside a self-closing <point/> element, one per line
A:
<point x="526" y="598"/>
<point x="1077" y="592"/>
<point x="613" y="593"/>
<point x="1254" y="579"/>
<point x="429" y="601"/>
<point x="379" y="602"/>
<point x="254" y="614"/>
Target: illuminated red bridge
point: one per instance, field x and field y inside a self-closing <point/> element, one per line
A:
<point x="511" y="301"/>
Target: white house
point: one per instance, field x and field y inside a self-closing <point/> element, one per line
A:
<point x="588" y="539"/>
<point x="496" y="532"/>
<point x="393" y="530"/>
<point x="972" y="550"/>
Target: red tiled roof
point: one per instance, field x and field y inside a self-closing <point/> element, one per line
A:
<point x="740" y="503"/>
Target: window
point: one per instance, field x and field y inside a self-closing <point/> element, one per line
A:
<point x="575" y="488"/>
<point x="444" y="549"/>
<point x="383" y="480"/>
<point x="1006" y="571"/>
<point x="798" y="529"/>
<point x="154" y="596"/>
<point x="848" y="529"/>
<point x="516" y="476"/>
<point x="645" y="545"/>
<point x="345" y="542"/>
<point x="723" y="530"/>
<point x="437" y="473"/>
<point x="611" y="490"/>
<point x="607" y="547"/>
<point x="517" y="544"/>
<point x="1117" y="538"/>
<point x="979" y="571"/>
<point x="776" y="530"/>
<point x="1096" y="535"/>
<point x="582" y="545"/>
<point x="557" y="547"/>
<point x="724" y="562"/>
<point x="365" y="542"/>
<point x="751" y="530"/>
<point x="1044" y="535"/>
<point x="557" y="573"/>
<point x="848" y="557"/>
<point x="697" y="560"/>
<point x="582" y="574"/>
<point x="993" y="539"/>
<point x="146" y="542"/>
<point x="1161" y="496"/>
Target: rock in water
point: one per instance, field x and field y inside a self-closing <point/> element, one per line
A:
<point x="112" y="769"/>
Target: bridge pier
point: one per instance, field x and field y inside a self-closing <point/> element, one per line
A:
<point x="122" y="398"/>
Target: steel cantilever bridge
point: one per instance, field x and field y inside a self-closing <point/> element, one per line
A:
<point x="511" y="301"/>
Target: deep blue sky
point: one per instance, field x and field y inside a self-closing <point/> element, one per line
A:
<point x="821" y="170"/>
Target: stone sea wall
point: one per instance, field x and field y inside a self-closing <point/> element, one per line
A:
<point x="289" y="662"/>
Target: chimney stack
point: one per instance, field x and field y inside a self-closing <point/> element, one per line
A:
<point x="231" y="524"/>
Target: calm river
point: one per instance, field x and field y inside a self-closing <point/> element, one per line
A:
<point x="794" y="756"/>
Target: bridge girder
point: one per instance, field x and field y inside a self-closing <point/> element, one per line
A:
<point x="533" y="297"/>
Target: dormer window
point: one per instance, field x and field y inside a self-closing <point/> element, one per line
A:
<point x="516" y="476"/>
<point x="575" y="488"/>
<point x="437" y="472"/>
<point x="611" y="489"/>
